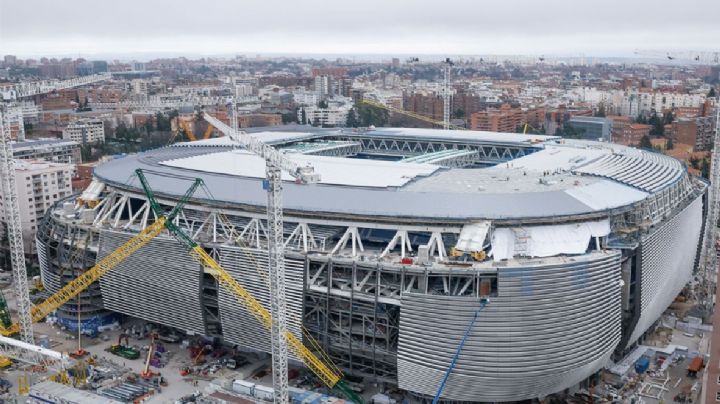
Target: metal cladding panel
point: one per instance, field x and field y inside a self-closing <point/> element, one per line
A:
<point x="250" y="268"/>
<point x="46" y="275"/>
<point x="160" y="283"/>
<point x="550" y="327"/>
<point x="668" y="257"/>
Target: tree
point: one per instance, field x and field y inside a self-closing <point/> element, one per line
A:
<point x="658" y="128"/>
<point x="645" y="142"/>
<point x="352" y="120"/>
<point x="28" y="128"/>
<point x="459" y="113"/>
<point x="601" y="111"/>
<point x="705" y="168"/>
<point x="570" y="132"/>
<point x="369" y="115"/>
<point x="304" y="117"/>
<point x="711" y="93"/>
<point x="322" y="104"/>
<point x="668" y="118"/>
<point x="669" y="145"/>
<point x="641" y="119"/>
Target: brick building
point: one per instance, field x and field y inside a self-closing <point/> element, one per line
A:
<point x="258" y="120"/>
<point x="631" y="134"/>
<point x="504" y="119"/>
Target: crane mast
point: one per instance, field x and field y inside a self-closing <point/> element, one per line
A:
<point x="708" y="249"/>
<point x="9" y="189"/>
<point x="275" y="164"/>
<point x="446" y="94"/>
<point x="13" y="226"/>
<point x="276" y="263"/>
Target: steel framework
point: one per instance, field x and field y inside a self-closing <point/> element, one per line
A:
<point x="14" y="227"/>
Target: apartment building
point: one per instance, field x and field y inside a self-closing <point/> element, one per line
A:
<point x="331" y="116"/>
<point x="85" y="131"/>
<point x="503" y="119"/>
<point x="39" y="185"/>
<point x="52" y="150"/>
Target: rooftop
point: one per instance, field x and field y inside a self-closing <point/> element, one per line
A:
<point x="561" y="178"/>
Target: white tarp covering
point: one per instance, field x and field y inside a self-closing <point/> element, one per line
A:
<point x="332" y="170"/>
<point x="547" y="241"/>
<point x="606" y="194"/>
<point x="472" y="236"/>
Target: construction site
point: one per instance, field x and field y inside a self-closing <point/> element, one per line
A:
<point x="299" y="264"/>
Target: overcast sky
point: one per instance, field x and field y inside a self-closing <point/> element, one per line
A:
<point x="444" y="27"/>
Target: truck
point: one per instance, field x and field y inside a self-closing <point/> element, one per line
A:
<point x="695" y="366"/>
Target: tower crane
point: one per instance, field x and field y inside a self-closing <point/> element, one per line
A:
<point x="275" y="164"/>
<point x="708" y="253"/>
<point x="446" y="93"/>
<point x="9" y="189"/>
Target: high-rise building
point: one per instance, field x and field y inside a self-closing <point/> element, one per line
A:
<point x="10" y="60"/>
<point x="39" y="185"/>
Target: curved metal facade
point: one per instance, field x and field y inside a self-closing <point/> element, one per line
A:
<point x="550" y="327"/>
<point x="668" y="258"/>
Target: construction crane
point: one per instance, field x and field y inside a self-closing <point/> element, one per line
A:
<point x="446" y="92"/>
<point x="330" y="377"/>
<point x="708" y="253"/>
<point x="9" y="188"/>
<point x="105" y="265"/>
<point x="28" y="89"/>
<point x="191" y="135"/>
<point x="275" y="164"/>
<point x="453" y="362"/>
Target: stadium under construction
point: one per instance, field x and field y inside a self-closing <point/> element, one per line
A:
<point x="579" y="246"/>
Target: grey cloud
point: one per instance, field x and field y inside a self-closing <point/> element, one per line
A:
<point x="367" y="26"/>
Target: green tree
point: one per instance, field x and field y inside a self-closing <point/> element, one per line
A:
<point x="705" y="168"/>
<point x="645" y="142"/>
<point x="694" y="162"/>
<point x="352" y="120"/>
<point x="668" y="118"/>
<point x="369" y="115"/>
<point x="601" y="111"/>
<point x="28" y="128"/>
<point x="322" y="104"/>
<point x="641" y="119"/>
<point x="459" y="113"/>
<point x="658" y="127"/>
<point x="711" y="93"/>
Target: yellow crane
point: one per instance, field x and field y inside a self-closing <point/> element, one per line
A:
<point x="105" y="265"/>
<point x="330" y="376"/>
<point x="411" y="114"/>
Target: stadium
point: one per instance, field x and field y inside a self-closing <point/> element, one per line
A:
<point x="579" y="246"/>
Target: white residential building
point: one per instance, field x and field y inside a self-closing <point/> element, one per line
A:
<point x="333" y="115"/>
<point x="39" y="185"/>
<point x="85" y="131"/>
